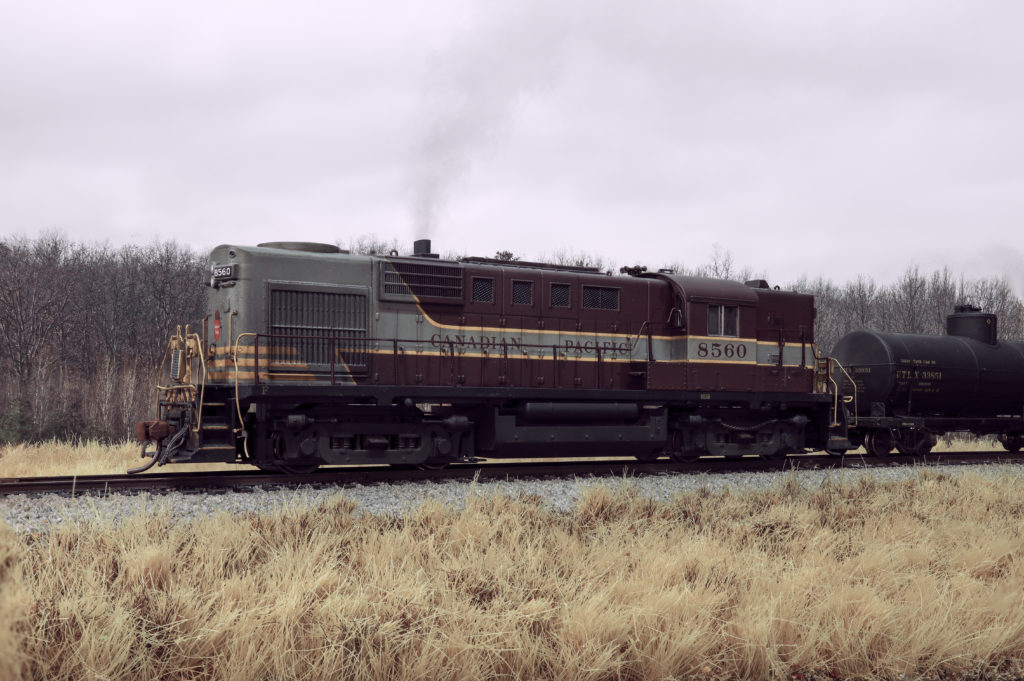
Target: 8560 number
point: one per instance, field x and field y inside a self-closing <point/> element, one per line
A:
<point x="727" y="350"/>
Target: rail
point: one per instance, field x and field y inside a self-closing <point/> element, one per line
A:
<point x="490" y="470"/>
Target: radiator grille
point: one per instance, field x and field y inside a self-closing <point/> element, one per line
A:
<point x="560" y="295"/>
<point x="522" y="293"/>
<point x="483" y="290"/>
<point x="423" y="280"/>
<point x="600" y="298"/>
<point x="305" y="327"/>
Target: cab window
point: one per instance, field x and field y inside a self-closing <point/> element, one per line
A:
<point x="723" y="320"/>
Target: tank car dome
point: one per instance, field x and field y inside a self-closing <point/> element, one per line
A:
<point x="970" y="322"/>
<point x="307" y="246"/>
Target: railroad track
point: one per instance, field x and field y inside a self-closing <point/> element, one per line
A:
<point x="207" y="480"/>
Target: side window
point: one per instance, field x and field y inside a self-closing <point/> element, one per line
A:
<point x="714" y="320"/>
<point x="731" y="321"/>
<point x="483" y="290"/>
<point x="561" y="295"/>
<point x="522" y="292"/>
<point x="723" y="320"/>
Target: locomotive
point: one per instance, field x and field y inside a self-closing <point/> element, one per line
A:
<point x="309" y="356"/>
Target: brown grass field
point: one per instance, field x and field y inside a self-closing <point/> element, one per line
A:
<point x="869" y="580"/>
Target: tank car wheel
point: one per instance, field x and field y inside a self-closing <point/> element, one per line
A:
<point x="879" y="442"/>
<point x="916" y="443"/>
<point x="1013" y="444"/>
<point x="925" y="443"/>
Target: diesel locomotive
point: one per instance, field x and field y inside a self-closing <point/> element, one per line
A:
<point x="311" y="356"/>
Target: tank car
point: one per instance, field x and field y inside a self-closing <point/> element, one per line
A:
<point x="311" y="356"/>
<point x="911" y="388"/>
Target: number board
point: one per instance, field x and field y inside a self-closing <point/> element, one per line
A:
<point x="721" y="350"/>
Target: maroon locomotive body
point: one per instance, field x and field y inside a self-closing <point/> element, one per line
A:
<point x="311" y="356"/>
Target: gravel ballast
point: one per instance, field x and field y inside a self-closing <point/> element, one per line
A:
<point x="41" y="512"/>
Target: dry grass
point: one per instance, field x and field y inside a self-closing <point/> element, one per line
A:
<point x="91" y="458"/>
<point x="82" y="458"/>
<point x="870" y="580"/>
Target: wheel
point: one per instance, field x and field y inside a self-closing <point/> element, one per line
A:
<point x="687" y="456"/>
<point x="648" y="457"/>
<point x="434" y="464"/>
<point x="1013" y="443"/>
<point x="878" y="442"/>
<point x="916" y="442"/>
<point x="297" y="469"/>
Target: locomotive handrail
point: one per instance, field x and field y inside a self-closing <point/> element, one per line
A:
<point x="202" y="387"/>
<point x="191" y="385"/>
<point x="446" y="348"/>
<point x="238" y="402"/>
<point x="650" y="340"/>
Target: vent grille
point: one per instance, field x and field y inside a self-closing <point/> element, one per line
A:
<point x="483" y="290"/>
<point x="600" y="298"/>
<point x="422" y="280"/>
<point x="305" y="327"/>
<point x="560" y="295"/>
<point x="522" y="293"/>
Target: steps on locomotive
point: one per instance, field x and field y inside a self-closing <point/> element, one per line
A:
<point x="215" y="428"/>
<point x="638" y="373"/>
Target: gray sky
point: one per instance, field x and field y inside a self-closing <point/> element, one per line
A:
<point x="804" y="137"/>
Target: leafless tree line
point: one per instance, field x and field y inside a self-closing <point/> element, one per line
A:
<point x="916" y="303"/>
<point x="83" y="327"/>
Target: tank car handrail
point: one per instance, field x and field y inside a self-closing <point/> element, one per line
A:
<point x="835" y="417"/>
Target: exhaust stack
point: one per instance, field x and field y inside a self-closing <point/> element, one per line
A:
<point x="421" y="249"/>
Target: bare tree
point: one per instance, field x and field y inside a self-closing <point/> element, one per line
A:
<point x="34" y="299"/>
<point x="830" y="323"/>
<point x="371" y="244"/>
<point x="859" y="304"/>
<point x="570" y="258"/>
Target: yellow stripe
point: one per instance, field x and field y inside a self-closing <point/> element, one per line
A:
<point x="552" y="332"/>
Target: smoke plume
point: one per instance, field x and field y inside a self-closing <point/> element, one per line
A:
<point x="474" y="87"/>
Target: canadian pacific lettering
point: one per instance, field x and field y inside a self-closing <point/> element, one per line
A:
<point x="587" y="347"/>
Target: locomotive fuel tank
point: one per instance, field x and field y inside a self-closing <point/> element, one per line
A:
<point x="963" y="374"/>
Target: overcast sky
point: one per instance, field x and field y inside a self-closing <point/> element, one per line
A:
<point x="804" y="137"/>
